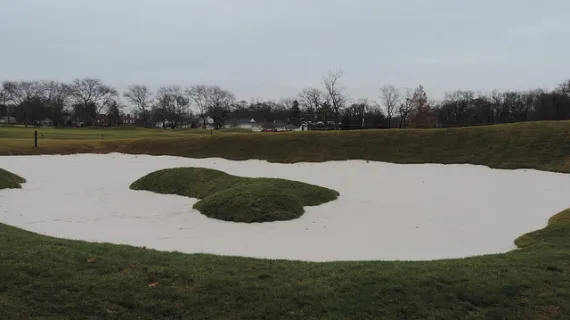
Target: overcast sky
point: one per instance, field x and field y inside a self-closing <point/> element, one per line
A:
<point x="274" y="48"/>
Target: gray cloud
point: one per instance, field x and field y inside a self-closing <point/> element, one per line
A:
<point x="275" y="48"/>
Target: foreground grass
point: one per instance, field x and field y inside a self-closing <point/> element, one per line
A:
<point x="47" y="278"/>
<point x="9" y="180"/>
<point x="537" y="145"/>
<point x="239" y="199"/>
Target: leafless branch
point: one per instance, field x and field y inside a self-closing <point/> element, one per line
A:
<point x="390" y="97"/>
<point x="141" y="97"/>
<point x="335" y="93"/>
<point x="92" y="91"/>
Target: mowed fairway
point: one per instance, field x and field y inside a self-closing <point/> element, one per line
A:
<point x="20" y="140"/>
<point x="97" y="133"/>
<point x="43" y="277"/>
<point x="534" y="145"/>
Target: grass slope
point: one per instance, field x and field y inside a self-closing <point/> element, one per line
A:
<point x="9" y="180"/>
<point x="231" y="198"/>
<point x="43" y="277"/>
<point x="539" y="145"/>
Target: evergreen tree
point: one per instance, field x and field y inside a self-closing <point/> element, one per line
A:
<point x="295" y="117"/>
<point x="114" y="114"/>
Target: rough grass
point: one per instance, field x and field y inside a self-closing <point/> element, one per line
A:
<point x="537" y="145"/>
<point x="43" y="277"/>
<point x="556" y="234"/>
<point x="48" y="278"/>
<point x="9" y="180"/>
<point x="238" y="199"/>
<point x="108" y="133"/>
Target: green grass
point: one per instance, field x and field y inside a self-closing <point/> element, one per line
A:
<point x="537" y="145"/>
<point x="238" y="199"/>
<point x="107" y="133"/>
<point x="9" y="180"/>
<point x="48" y="278"/>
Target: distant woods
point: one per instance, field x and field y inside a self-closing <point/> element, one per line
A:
<point x="90" y="102"/>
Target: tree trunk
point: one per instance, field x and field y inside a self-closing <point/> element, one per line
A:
<point x="336" y="119"/>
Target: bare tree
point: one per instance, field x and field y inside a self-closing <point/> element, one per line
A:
<point x="363" y="106"/>
<point x="390" y="97"/>
<point x="219" y="105"/>
<point x="564" y="88"/>
<point x="311" y="98"/>
<point x="335" y="93"/>
<point x="286" y="103"/>
<point x="436" y="105"/>
<point x="211" y="101"/>
<point x="183" y="112"/>
<point x="4" y="95"/>
<point x="162" y="106"/>
<point x="405" y="107"/>
<point x="141" y="97"/>
<point x="4" y="99"/>
<point x="256" y="100"/>
<point x="24" y="95"/>
<point x="199" y="95"/>
<point x="91" y="92"/>
<point x="57" y="96"/>
<point x="461" y="101"/>
<point x="172" y="105"/>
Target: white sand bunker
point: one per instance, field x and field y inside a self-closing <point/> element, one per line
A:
<point x="384" y="212"/>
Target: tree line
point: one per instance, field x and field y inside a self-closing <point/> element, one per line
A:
<point x="327" y="107"/>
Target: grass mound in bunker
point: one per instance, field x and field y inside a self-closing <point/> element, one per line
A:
<point x="238" y="199"/>
<point x="9" y="180"/>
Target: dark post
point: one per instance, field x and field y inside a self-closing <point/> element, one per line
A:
<point x="102" y="136"/>
<point x="35" y="139"/>
<point x="211" y="132"/>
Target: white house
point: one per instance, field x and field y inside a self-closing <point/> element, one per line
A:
<point x="246" y="124"/>
<point x="199" y="123"/>
<point x="4" y="120"/>
<point x="47" y="122"/>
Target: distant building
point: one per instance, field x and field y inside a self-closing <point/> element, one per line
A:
<point x="198" y="123"/>
<point x="244" y="123"/>
<point x="279" y="125"/>
<point x="292" y="127"/>
<point x="129" y="119"/>
<point x="7" y="120"/>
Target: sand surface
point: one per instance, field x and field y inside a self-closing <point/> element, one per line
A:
<point x="385" y="211"/>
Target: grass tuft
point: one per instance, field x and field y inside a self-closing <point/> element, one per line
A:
<point x="9" y="180"/>
<point x="555" y="234"/>
<point x="238" y="199"/>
